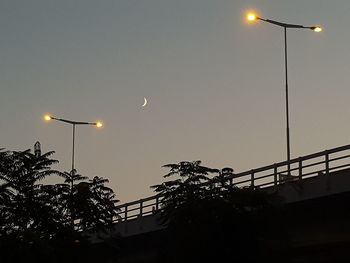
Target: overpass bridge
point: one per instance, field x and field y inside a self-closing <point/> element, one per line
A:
<point x="310" y="177"/>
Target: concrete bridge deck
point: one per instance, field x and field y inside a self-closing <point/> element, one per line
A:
<point x="313" y="176"/>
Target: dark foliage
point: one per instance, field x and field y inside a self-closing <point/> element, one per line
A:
<point x="187" y="189"/>
<point x="208" y="219"/>
<point x="46" y="222"/>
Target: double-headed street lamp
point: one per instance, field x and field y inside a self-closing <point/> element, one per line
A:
<point x="253" y="17"/>
<point x="98" y="124"/>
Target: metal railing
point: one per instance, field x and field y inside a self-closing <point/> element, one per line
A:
<point x="317" y="164"/>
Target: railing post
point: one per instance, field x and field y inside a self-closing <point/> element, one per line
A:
<point x="327" y="169"/>
<point x="252" y="179"/>
<point x="300" y="168"/>
<point x="326" y="161"/>
<point x="126" y="213"/>
<point x="157" y="203"/>
<point x="275" y="174"/>
<point x="141" y="207"/>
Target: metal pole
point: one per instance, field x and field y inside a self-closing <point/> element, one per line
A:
<point x="73" y="149"/>
<point x="72" y="174"/>
<point x="287" y="104"/>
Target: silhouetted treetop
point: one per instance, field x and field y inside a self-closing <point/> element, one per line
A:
<point x="32" y="210"/>
<point x="208" y="218"/>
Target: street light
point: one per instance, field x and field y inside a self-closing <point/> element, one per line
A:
<point x="98" y="124"/>
<point x="252" y="17"/>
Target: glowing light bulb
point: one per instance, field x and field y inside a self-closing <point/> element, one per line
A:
<point x="251" y="17"/>
<point x="317" y="29"/>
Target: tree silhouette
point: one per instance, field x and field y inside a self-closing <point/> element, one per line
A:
<point x="188" y="189"/>
<point x="21" y="173"/>
<point x="88" y="204"/>
<point x="209" y="218"/>
<point x="36" y="218"/>
<point x="6" y="195"/>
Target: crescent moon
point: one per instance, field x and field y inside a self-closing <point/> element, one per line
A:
<point x="145" y="102"/>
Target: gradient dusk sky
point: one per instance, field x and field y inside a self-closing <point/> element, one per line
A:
<point x="214" y="83"/>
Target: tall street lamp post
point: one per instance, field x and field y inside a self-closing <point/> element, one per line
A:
<point x="73" y="123"/>
<point x="253" y="17"/>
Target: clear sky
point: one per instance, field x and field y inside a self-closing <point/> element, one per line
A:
<point x="215" y="85"/>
